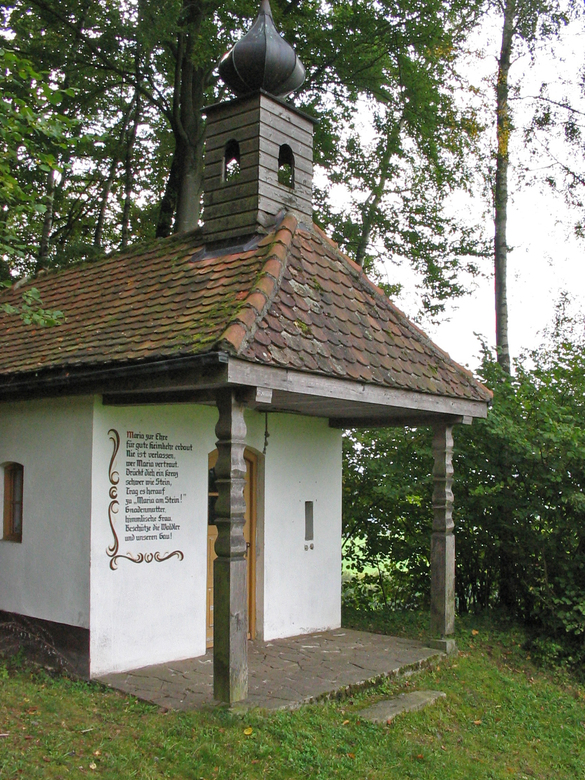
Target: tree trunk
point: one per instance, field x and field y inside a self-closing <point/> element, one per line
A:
<point x="508" y="575"/>
<point x="504" y="129"/>
<point x="99" y="227"/>
<point x="190" y="127"/>
<point x="169" y="201"/>
<point x="185" y="183"/>
<point x="129" y="173"/>
<point x="190" y="188"/>
<point x="44" y="248"/>
<point x="506" y="590"/>
<point x="370" y="207"/>
<point x="182" y="197"/>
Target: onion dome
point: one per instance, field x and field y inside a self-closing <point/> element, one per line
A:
<point x="262" y="59"/>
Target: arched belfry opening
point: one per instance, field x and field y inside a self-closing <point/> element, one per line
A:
<point x="286" y="166"/>
<point x="259" y="148"/>
<point x="231" y="161"/>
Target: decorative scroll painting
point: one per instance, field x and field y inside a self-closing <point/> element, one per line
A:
<point x="148" y="496"/>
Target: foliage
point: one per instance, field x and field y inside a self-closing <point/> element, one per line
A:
<point x="523" y="512"/>
<point x="32" y="133"/>
<point x="519" y="496"/>
<point x="386" y="496"/>
<point x="524" y="25"/>
<point x="31" y="309"/>
<point x="399" y="175"/>
<point x="555" y="137"/>
<point x="501" y="718"/>
<point x="142" y="74"/>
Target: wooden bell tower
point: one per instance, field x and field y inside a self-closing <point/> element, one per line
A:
<point x="259" y="149"/>
<point x="258" y="161"/>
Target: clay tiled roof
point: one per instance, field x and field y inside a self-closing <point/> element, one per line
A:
<point x="289" y="299"/>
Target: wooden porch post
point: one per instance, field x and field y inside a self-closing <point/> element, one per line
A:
<point x="443" y="543"/>
<point x="230" y="622"/>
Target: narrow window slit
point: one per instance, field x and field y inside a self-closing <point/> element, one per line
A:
<point x="231" y="161"/>
<point x="286" y="166"/>
<point x="13" y="491"/>
<point x="309" y="536"/>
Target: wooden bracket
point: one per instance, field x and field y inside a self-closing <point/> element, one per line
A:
<point x="254" y="397"/>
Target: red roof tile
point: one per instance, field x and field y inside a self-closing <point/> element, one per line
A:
<point x="291" y="300"/>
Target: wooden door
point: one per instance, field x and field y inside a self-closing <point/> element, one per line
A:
<point x="249" y="535"/>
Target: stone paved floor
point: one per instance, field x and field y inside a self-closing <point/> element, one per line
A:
<point x="283" y="673"/>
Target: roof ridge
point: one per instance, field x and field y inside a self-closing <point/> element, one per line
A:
<point x="363" y="278"/>
<point x="244" y="324"/>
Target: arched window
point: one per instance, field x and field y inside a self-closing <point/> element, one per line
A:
<point x="13" y="490"/>
<point x="286" y="166"/>
<point x="231" y="160"/>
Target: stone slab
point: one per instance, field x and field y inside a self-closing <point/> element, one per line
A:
<point x="283" y="673"/>
<point x="387" y="709"/>
<point x="447" y="646"/>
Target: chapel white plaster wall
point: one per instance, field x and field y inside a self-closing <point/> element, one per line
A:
<point x="147" y="613"/>
<point x="47" y="574"/>
<point x="301" y="587"/>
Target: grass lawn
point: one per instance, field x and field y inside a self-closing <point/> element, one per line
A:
<point x="502" y="718"/>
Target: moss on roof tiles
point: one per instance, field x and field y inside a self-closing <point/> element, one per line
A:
<point x="293" y="301"/>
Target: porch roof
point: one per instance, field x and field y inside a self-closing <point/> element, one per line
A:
<point x="288" y="301"/>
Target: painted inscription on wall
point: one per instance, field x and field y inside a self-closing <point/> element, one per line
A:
<point x="148" y="494"/>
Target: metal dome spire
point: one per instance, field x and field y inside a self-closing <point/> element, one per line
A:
<point x="262" y="59"/>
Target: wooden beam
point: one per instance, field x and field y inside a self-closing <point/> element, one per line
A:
<point x="442" y="539"/>
<point x="239" y="204"/>
<point x="241" y="372"/>
<point x="230" y="595"/>
<point x="251" y="397"/>
<point x="192" y="373"/>
<point x="247" y="116"/>
<point x="148" y="398"/>
<point x="186" y="380"/>
<point x="411" y="420"/>
<point x="259" y="396"/>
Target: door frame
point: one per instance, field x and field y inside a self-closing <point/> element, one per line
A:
<point x="255" y="553"/>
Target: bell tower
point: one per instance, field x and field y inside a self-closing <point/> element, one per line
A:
<point x="259" y="149"/>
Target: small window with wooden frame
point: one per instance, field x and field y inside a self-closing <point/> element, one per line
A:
<point x="231" y="161"/>
<point x="13" y="491"/>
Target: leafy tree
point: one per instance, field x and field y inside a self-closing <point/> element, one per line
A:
<point x="387" y="492"/>
<point x="102" y="55"/>
<point x="142" y="74"/>
<point x="400" y="180"/>
<point x="31" y="136"/>
<point x="519" y="506"/>
<point x="524" y="24"/>
<point x="555" y="138"/>
<point x="526" y="489"/>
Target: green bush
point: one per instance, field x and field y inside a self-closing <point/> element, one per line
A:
<point x="519" y="500"/>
